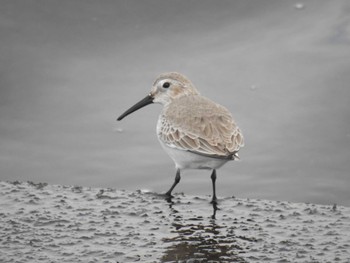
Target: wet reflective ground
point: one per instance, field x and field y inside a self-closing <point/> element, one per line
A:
<point x="53" y="223"/>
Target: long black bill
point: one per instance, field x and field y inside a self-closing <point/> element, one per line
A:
<point x="139" y="105"/>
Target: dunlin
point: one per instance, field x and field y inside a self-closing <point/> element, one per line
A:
<point x="196" y="132"/>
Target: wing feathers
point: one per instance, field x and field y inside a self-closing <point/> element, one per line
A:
<point x="207" y="128"/>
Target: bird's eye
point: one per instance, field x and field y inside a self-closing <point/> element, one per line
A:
<point x="166" y="85"/>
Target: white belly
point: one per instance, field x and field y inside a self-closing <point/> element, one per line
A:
<point x="189" y="160"/>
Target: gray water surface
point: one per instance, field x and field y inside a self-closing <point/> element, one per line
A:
<point x="70" y="68"/>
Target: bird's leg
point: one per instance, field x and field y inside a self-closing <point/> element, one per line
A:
<point x="177" y="180"/>
<point x="213" y="179"/>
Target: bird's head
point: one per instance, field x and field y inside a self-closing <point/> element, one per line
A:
<point x="166" y="88"/>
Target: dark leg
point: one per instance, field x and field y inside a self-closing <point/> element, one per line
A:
<point x="177" y="180"/>
<point x="213" y="179"/>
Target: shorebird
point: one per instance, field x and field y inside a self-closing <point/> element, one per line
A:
<point x="196" y="132"/>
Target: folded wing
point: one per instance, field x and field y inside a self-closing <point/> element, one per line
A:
<point x="205" y="128"/>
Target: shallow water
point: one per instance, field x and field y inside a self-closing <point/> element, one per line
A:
<point x="54" y="223"/>
<point x="282" y="67"/>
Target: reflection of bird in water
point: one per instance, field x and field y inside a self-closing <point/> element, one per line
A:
<point x="196" y="132"/>
<point x="200" y="241"/>
<point x="213" y="216"/>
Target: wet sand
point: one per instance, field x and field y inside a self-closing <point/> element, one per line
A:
<point x="55" y="223"/>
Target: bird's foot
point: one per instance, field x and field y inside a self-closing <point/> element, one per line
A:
<point x="214" y="200"/>
<point x="168" y="197"/>
<point x="215" y="208"/>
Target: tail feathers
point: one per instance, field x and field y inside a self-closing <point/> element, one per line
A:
<point x="235" y="156"/>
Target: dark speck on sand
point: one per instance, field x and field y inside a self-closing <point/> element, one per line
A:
<point x="53" y="223"/>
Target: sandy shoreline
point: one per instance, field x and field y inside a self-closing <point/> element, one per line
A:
<point x="53" y="223"/>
